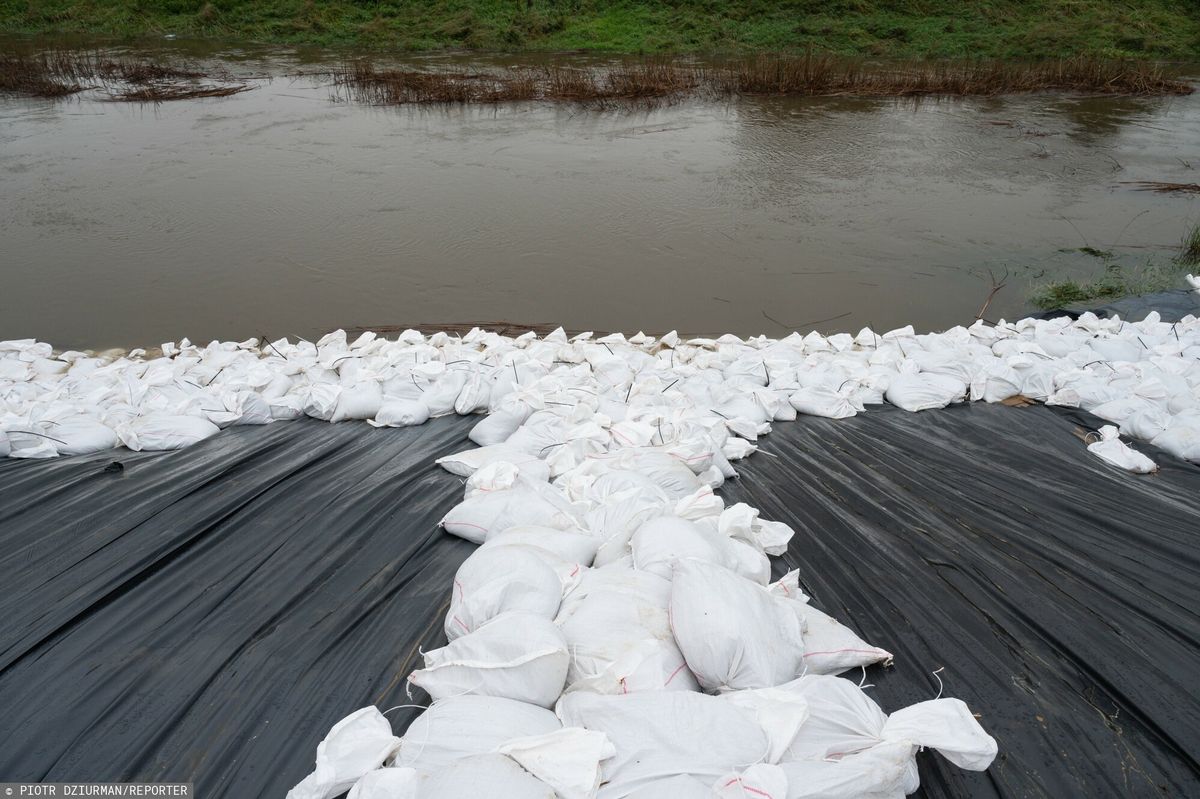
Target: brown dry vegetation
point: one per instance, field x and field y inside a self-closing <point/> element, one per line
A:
<point x="825" y="75"/>
<point x="59" y="73"/>
<point x="1161" y="187"/>
<point x="161" y="93"/>
<point x="809" y="75"/>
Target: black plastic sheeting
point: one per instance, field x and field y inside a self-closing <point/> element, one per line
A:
<point x="1060" y="594"/>
<point x="207" y="615"/>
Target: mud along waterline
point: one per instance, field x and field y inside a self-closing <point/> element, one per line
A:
<point x="284" y="211"/>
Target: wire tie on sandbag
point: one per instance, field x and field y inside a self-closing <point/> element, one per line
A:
<point x="40" y="435"/>
<point x="673" y="382"/>
<point x="627" y="393"/>
<point x="863" y="684"/>
<point x="939" y="679"/>
<point x="272" y="346"/>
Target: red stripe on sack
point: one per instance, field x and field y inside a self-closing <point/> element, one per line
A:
<point x="668" y="682"/>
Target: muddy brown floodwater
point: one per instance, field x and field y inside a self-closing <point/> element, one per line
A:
<point x="281" y="211"/>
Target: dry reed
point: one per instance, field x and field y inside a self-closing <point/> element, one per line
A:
<point x="809" y="75"/>
<point x="1164" y="188"/>
<point x="59" y="73"/>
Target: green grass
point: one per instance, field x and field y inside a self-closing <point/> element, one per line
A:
<point x="908" y="28"/>
<point x="1115" y="282"/>
<point x="1189" y="250"/>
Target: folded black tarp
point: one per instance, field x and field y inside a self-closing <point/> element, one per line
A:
<point x="207" y="615"/>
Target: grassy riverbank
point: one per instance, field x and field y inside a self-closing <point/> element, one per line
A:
<point x="902" y="28"/>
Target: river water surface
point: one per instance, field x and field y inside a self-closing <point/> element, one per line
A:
<point x="284" y="211"/>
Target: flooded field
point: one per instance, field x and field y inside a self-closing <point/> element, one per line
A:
<point x="290" y="210"/>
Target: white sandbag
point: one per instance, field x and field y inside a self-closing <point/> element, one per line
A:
<point x="885" y="771"/>
<point x="843" y="720"/>
<point x="500" y="579"/>
<point x="360" y="401"/>
<point x="825" y="401"/>
<point x="474" y="395"/>
<point x="568" y="760"/>
<point x="660" y="543"/>
<point x="467" y="462"/>
<point x="830" y="647"/>
<point x="395" y="412"/>
<point x="462" y="726"/>
<point x="515" y="656"/>
<point x="442" y="394"/>
<point x="665" y="470"/>
<point x="1112" y="450"/>
<point x="251" y="409"/>
<point x="662" y="734"/>
<point x="703" y="504"/>
<point x="496" y="476"/>
<point x="29" y="445"/>
<point x="156" y="432"/>
<point x="618" y="632"/>
<point x="357" y="744"/>
<point x="82" y="435"/>
<point x="732" y="633"/>
<point x="741" y="522"/>
<point x="320" y="400"/>
<point x="615" y="520"/>
<point x="1147" y="424"/>
<point x="1182" y="441"/>
<point x="779" y="712"/>
<point x="569" y="545"/>
<point x="501" y="422"/>
<point x="947" y="726"/>
<point x="494" y="512"/>
<point x="493" y="776"/>
<point x="924" y="391"/>
<point x="388" y="783"/>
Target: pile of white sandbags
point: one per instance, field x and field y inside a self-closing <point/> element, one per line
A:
<point x="617" y="632"/>
<point x="575" y="397"/>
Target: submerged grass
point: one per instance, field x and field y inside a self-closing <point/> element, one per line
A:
<point x="1119" y="280"/>
<point x="1189" y="250"/>
<point x="1161" y="187"/>
<point x="890" y="28"/>
<point x="807" y="75"/>
<point x="60" y="73"/>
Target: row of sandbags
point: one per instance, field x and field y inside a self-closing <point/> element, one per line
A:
<point x="1143" y="378"/>
<point x="617" y="633"/>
